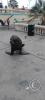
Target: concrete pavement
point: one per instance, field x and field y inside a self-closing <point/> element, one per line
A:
<point x="16" y="72"/>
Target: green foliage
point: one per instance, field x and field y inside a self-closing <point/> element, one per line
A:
<point x="38" y="6"/>
<point x="40" y="3"/>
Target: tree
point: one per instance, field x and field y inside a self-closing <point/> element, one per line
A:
<point x="40" y="2"/>
<point x="35" y="7"/>
<point x="13" y="3"/>
<point x="38" y="5"/>
<point x="44" y="5"/>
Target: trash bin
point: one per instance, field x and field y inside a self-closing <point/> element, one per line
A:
<point x="30" y="30"/>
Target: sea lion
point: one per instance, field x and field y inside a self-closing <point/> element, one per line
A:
<point x="16" y="44"/>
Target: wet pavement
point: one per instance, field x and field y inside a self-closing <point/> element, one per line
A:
<point x="22" y="77"/>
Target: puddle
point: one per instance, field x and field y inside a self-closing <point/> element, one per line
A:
<point x="24" y="84"/>
<point x="23" y="53"/>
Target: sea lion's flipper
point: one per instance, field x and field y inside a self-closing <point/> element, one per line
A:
<point x="24" y="53"/>
<point x="23" y="45"/>
<point x="9" y="53"/>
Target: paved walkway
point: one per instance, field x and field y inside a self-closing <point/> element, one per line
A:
<point x="16" y="72"/>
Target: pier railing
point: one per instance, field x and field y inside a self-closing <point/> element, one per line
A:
<point x="7" y="10"/>
<point x="39" y="29"/>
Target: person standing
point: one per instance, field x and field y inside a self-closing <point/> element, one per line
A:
<point x="8" y="22"/>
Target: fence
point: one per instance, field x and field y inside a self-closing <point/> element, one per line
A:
<point x="7" y="10"/>
<point x="21" y="27"/>
<point x="39" y="29"/>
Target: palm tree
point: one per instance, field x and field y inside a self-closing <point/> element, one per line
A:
<point x="40" y="2"/>
<point x="43" y="5"/>
<point x="38" y="5"/>
<point x="13" y="3"/>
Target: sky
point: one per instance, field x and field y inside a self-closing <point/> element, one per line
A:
<point x="25" y="3"/>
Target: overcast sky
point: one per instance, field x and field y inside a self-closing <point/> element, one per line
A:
<point x="26" y="3"/>
<point x="21" y="3"/>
